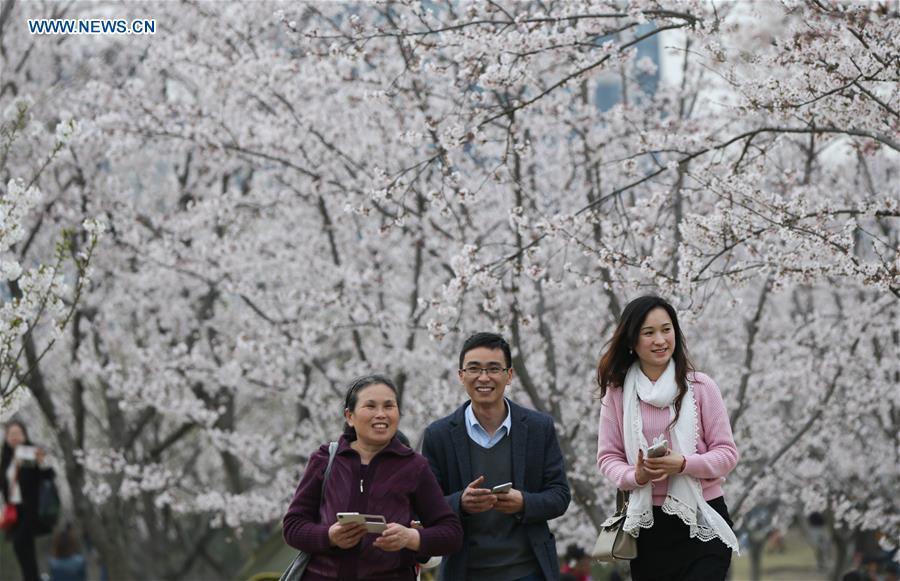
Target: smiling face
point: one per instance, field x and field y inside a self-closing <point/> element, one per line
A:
<point x="655" y="343"/>
<point x="376" y="415"/>
<point x="485" y="389"/>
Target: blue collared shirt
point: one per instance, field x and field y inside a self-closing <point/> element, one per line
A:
<point x="479" y="435"/>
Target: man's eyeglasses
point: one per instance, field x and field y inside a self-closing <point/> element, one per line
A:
<point x="494" y="371"/>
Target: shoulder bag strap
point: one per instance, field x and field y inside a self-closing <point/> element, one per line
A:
<point x="332" y="451"/>
<point x="622" y="497"/>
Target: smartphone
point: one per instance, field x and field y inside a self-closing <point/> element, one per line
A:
<point x="657" y="450"/>
<point x="374" y="522"/>
<point x="505" y="487"/>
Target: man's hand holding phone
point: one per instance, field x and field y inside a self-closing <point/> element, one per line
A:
<point x="510" y="501"/>
<point x="476" y="499"/>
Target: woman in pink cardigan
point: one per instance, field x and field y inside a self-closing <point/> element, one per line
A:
<point x="651" y="393"/>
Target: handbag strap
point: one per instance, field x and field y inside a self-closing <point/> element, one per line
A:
<point x="332" y="451"/>
<point x="622" y="497"/>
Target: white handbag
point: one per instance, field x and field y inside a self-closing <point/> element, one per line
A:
<point x="613" y="543"/>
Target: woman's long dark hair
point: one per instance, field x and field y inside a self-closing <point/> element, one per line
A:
<point x="352" y="396"/>
<point x="619" y="353"/>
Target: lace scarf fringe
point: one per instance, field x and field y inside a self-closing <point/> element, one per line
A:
<point x="634" y="523"/>
<point x="688" y="516"/>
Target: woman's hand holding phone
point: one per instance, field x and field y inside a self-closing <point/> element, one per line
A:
<point x="668" y="464"/>
<point x="346" y="535"/>
<point x="397" y="537"/>
<point x="644" y="472"/>
<point x="658" y="449"/>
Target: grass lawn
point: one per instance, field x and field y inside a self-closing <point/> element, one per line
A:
<point x="796" y="563"/>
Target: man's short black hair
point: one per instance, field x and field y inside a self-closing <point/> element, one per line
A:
<point x="489" y="340"/>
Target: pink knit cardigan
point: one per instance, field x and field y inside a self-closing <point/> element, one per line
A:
<point x="716" y="454"/>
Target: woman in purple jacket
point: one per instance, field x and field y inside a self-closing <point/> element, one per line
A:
<point x="372" y="473"/>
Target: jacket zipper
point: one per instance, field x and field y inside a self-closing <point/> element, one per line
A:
<point x="361" y="485"/>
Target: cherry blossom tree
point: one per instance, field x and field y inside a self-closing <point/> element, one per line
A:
<point x="300" y="194"/>
<point x="40" y="295"/>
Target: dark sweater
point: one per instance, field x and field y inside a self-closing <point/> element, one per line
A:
<point x="499" y="548"/>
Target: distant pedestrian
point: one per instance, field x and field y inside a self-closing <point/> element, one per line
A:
<point x="67" y="563"/>
<point x="22" y="467"/>
<point x="576" y="563"/>
<point x="819" y="539"/>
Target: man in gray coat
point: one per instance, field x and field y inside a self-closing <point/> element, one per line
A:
<point x="488" y="442"/>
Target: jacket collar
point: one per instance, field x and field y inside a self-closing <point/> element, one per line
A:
<point x="458" y="417"/>
<point x="395" y="447"/>
<point x="518" y="440"/>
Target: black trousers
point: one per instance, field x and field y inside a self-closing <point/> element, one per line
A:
<point x="23" y="544"/>
<point x="666" y="552"/>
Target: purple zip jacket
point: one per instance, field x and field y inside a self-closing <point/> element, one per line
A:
<point x="398" y="484"/>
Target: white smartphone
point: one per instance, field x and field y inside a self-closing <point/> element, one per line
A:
<point x="657" y="450"/>
<point x="375" y="523"/>
<point x="505" y="487"/>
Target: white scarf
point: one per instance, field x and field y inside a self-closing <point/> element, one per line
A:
<point x="685" y="495"/>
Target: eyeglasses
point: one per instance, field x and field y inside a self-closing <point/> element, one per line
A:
<point x="491" y="371"/>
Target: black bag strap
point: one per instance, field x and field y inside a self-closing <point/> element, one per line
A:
<point x="332" y="452"/>
<point x="295" y="570"/>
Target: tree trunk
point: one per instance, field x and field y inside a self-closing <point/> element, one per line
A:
<point x="756" y="555"/>
<point x="843" y="547"/>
